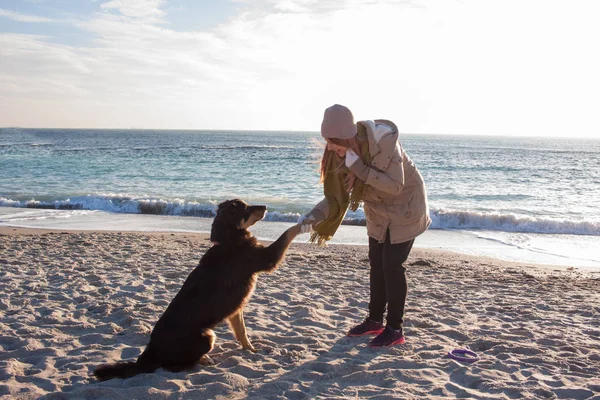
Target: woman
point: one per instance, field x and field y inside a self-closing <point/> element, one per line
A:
<point x="364" y="162"/>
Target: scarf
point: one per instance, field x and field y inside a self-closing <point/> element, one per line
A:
<point x="338" y="198"/>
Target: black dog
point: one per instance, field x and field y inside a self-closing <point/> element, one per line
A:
<point x="216" y="290"/>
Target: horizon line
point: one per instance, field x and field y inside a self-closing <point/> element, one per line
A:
<point x="302" y="131"/>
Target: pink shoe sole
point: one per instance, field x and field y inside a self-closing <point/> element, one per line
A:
<point x="402" y="340"/>
<point x="368" y="333"/>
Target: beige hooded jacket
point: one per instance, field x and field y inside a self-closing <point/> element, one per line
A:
<point x="395" y="197"/>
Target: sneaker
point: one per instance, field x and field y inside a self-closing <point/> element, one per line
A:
<point x="367" y="327"/>
<point x="389" y="337"/>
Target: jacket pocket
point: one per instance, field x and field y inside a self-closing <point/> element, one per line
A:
<point x="403" y="212"/>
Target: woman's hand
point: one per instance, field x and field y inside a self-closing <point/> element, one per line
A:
<point x="356" y="165"/>
<point x="306" y="223"/>
<point x="351" y="157"/>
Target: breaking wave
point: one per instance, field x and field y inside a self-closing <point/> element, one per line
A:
<point x="441" y="218"/>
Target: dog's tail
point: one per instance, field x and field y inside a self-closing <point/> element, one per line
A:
<point x="119" y="370"/>
<point x="146" y="363"/>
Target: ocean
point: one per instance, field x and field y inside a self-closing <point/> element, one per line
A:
<point x="524" y="199"/>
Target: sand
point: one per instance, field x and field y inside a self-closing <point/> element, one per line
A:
<point x="70" y="301"/>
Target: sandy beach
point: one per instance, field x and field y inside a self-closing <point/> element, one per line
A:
<point x="70" y="301"/>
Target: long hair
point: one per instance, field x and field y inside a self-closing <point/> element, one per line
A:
<point x="351" y="143"/>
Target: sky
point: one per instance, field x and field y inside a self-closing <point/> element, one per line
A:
<point x="480" y="67"/>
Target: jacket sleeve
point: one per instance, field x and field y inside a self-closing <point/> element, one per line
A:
<point x="390" y="181"/>
<point x="321" y="207"/>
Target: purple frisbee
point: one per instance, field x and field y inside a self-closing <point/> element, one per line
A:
<point x="463" y="355"/>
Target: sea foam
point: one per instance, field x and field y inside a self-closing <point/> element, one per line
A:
<point x="441" y="218"/>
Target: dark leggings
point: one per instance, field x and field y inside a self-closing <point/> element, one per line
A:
<point x="388" y="280"/>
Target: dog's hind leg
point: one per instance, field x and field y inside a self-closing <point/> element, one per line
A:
<point x="236" y="321"/>
<point x="208" y="342"/>
<point x="210" y="335"/>
<point x="206" y="360"/>
<point x="186" y="353"/>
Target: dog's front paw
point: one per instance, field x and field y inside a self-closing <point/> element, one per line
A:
<point x="295" y="231"/>
<point x="249" y="347"/>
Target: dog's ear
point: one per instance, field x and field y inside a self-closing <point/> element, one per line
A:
<point x="227" y="221"/>
<point x="218" y="231"/>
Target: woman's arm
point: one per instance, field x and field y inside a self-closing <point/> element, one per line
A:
<point x="321" y="211"/>
<point x="317" y="214"/>
<point x="390" y="181"/>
